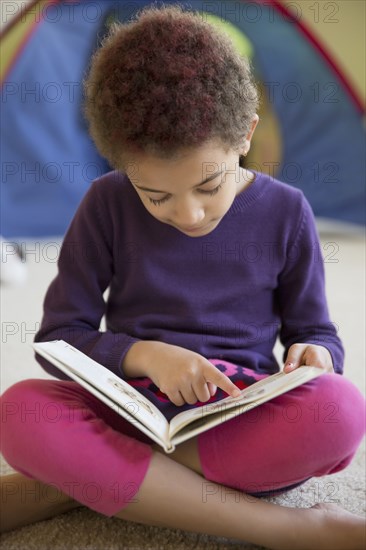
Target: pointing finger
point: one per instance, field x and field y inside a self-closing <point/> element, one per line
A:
<point x="212" y="374"/>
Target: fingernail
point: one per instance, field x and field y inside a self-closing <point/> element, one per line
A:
<point x="289" y="366"/>
<point x="236" y="392"/>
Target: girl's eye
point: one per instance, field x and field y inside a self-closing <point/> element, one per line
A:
<point x="157" y="202"/>
<point x="213" y="191"/>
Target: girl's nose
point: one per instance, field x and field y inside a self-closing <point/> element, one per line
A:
<point x="188" y="215"/>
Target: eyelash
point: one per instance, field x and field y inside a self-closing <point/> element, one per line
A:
<point x="158" y="202"/>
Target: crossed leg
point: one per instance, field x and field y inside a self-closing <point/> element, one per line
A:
<point x="171" y="495"/>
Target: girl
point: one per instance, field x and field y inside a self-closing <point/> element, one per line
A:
<point x="207" y="263"/>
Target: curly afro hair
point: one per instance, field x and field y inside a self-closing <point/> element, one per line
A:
<point x="164" y="83"/>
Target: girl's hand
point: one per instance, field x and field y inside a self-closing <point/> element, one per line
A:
<point x="183" y="375"/>
<point x="308" y="354"/>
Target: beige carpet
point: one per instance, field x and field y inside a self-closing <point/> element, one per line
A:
<point x="82" y="529"/>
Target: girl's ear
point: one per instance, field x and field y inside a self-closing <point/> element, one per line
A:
<point x="249" y="136"/>
<point x="253" y="127"/>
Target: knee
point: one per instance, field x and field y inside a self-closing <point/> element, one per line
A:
<point x="22" y="407"/>
<point x="334" y="389"/>
<point x="16" y="396"/>
<point x="19" y="398"/>
<point x="338" y="407"/>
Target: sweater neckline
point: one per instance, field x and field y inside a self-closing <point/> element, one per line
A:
<point x="249" y="195"/>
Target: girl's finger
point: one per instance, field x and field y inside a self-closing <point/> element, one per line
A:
<point x="211" y="388"/>
<point x="202" y="390"/>
<point x="176" y="398"/>
<point x="294" y="357"/>
<point x="214" y="375"/>
<point x="191" y="394"/>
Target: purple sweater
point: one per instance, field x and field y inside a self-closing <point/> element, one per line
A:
<point x="228" y="295"/>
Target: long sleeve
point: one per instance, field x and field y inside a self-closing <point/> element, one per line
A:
<point x="74" y="304"/>
<point x="301" y="293"/>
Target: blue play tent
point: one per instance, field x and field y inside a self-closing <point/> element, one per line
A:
<point x="48" y="160"/>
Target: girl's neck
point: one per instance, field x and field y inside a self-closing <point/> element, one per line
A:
<point x="246" y="178"/>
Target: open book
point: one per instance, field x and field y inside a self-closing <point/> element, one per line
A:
<point x="137" y="409"/>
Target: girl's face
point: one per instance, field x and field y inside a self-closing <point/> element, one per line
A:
<point x="193" y="193"/>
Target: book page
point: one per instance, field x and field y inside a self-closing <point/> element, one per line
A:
<point x="112" y="404"/>
<point x="72" y="361"/>
<point x="257" y="393"/>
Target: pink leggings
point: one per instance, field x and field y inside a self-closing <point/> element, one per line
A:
<point x="58" y="433"/>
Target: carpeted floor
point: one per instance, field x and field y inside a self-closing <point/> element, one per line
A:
<point x="82" y="529"/>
